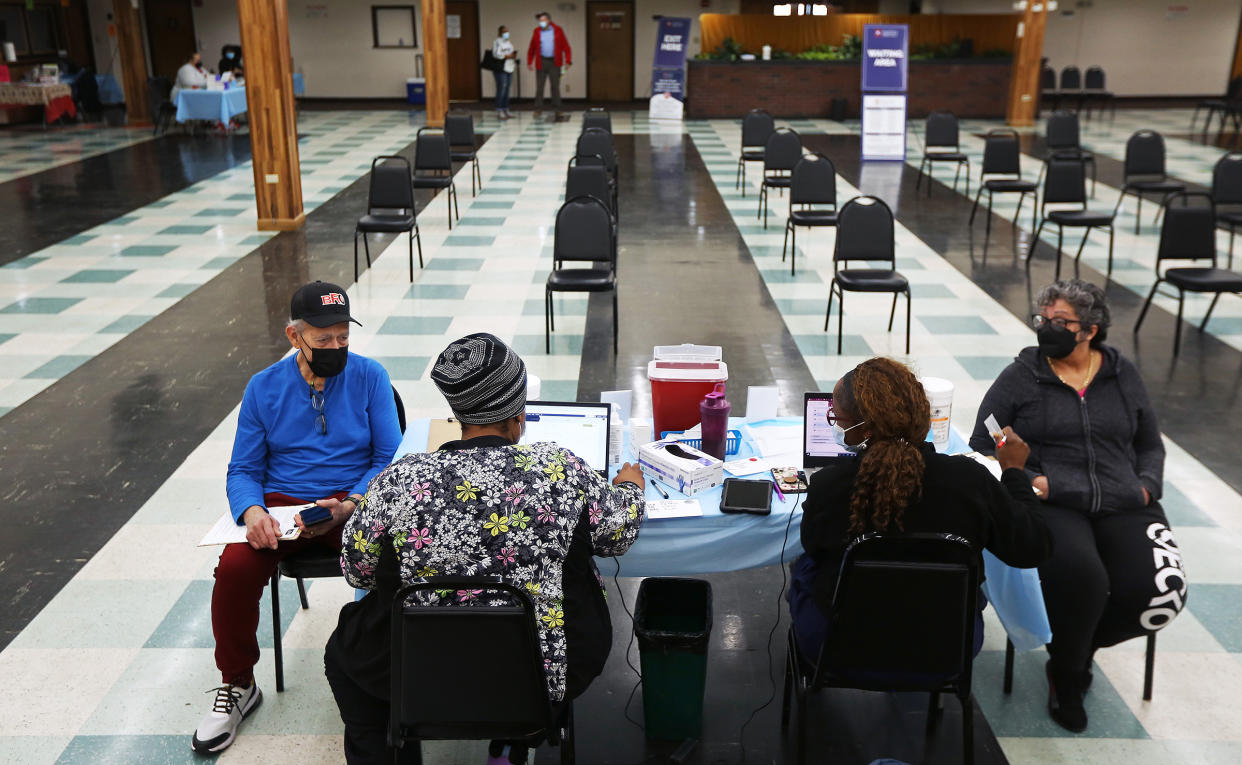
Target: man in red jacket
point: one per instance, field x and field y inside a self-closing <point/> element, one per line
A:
<point x="547" y="53"/>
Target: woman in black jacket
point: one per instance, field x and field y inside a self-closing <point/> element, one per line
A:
<point x="1097" y="462"/>
<point x="899" y="483"/>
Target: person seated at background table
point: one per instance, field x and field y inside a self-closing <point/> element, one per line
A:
<point x="899" y="483"/>
<point x="532" y="514"/>
<point x="191" y="76"/>
<point x="231" y="60"/>
<point x="1097" y="461"/>
<point x="314" y="427"/>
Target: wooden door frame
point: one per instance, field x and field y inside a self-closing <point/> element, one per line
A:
<point x="633" y="45"/>
<point x="478" y="32"/>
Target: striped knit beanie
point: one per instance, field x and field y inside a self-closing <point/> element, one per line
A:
<point x="483" y="380"/>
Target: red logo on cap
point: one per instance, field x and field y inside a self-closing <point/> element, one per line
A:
<point x="332" y="298"/>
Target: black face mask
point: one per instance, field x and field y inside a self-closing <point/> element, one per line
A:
<point x="326" y="362"/>
<point x="1056" y="342"/>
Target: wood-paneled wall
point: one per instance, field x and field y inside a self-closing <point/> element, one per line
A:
<point x="273" y="120"/>
<point x="797" y="33"/>
<point x="132" y="54"/>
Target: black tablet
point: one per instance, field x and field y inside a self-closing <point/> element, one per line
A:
<point x="742" y="495"/>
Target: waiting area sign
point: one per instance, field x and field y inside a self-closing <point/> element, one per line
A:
<point x="886" y="49"/>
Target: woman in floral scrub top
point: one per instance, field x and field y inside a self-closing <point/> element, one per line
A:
<point x="534" y="515"/>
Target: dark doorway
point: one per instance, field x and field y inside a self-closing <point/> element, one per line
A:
<point x="464" y="53"/>
<point x="170" y="36"/>
<point x="77" y="40"/>
<point x="610" y="50"/>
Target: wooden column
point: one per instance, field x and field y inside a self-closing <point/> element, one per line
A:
<point x="435" y="60"/>
<point x="132" y="53"/>
<point x="273" y="121"/>
<point x="1028" y="52"/>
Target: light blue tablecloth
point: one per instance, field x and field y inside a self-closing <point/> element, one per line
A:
<point x="211" y="105"/>
<point x="109" y="90"/>
<point x="716" y="542"/>
<point x="299" y="85"/>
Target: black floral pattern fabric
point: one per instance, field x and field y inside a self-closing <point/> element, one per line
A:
<point x="509" y="511"/>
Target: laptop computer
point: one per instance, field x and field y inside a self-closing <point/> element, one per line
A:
<point x="582" y="428"/>
<point x="820" y="447"/>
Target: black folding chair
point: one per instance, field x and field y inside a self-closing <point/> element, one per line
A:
<point x="902" y="619"/>
<point x="1062" y="142"/>
<point x="812" y="188"/>
<point x="589" y="180"/>
<point x="163" y="110"/>
<point x="1048" y="88"/>
<point x="433" y="167"/>
<point x="438" y="645"/>
<point x="597" y="117"/>
<point x="865" y="232"/>
<point x="940" y="144"/>
<point x="780" y="154"/>
<point x="1145" y="174"/>
<point x="1217" y="105"/>
<point x="1149" y="671"/>
<point x="1189" y="233"/>
<point x="1227" y="192"/>
<point x="757" y="126"/>
<point x="584" y="233"/>
<point x="1002" y="160"/>
<point x="1071" y="86"/>
<point x="1095" y="90"/>
<point x="390" y="208"/>
<point x="595" y="146"/>
<point x="311" y="563"/>
<point x="459" y="127"/>
<point x="1065" y="184"/>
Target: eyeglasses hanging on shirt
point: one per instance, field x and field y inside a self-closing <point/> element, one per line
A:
<point x="321" y="422"/>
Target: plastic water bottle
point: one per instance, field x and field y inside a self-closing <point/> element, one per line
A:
<point x="714" y="414"/>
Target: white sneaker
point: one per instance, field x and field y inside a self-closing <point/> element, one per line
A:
<point x="218" y="727"/>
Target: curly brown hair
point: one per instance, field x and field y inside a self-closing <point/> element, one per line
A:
<point x="890" y="399"/>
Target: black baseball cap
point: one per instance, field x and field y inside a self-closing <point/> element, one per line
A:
<point x="321" y="304"/>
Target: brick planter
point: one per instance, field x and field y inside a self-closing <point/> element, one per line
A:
<point x="975" y="87"/>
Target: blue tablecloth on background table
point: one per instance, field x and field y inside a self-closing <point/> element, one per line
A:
<point x="716" y="542"/>
<point x="299" y="85"/>
<point x="109" y="90"/>
<point x="211" y="105"/>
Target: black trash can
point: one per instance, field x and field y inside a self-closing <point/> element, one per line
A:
<point x="673" y="622"/>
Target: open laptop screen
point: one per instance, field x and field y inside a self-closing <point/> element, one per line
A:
<point x="582" y="428"/>
<point x="819" y="444"/>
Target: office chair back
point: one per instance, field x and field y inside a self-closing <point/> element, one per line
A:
<point x="1094" y="78"/>
<point x="1001" y="153"/>
<point x="439" y="645"/>
<point x="941" y="130"/>
<point x="757" y="125"/>
<point x="1071" y="78"/>
<point x="459" y="127"/>
<point x="1189" y="229"/>
<point x="390" y="187"/>
<point x="864" y="231"/>
<point x="1144" y="154"/>
<point x="1062" y="131"/>
<point x="431" y="150"/>
<point x="597" y="117"/>
<point x="814" y="181"/>
<point x="589" y="181"/>
<point x="782" y="150"/>
<point x="595" y="144"/>
<point x="1047" y="79"/>
<point x="583" y="232"/>
<point x="1227" y="180"/>
<point x="903" y="605"/>
<point x="1065" y="182"/>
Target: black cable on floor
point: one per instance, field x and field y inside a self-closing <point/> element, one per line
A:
<point x="629" y="646"/>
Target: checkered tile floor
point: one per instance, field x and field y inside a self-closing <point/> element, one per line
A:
<point x="130" y="635"/>
<point x="23" y="152"/>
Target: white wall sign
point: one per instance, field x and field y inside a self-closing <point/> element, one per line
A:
<point x="665" y="107"/>
<point x="452" y="24"/>
<point x="884" y="127"/>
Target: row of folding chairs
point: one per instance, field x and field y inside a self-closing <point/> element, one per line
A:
<point x="1228" y="109"/>
<point x="586" y="224"/>
<point x="1077" y="90"/>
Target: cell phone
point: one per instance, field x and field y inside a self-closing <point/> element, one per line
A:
<point x="315" y="515"/>
<point x="746" y="495"/>
<point x="790" y="480"/>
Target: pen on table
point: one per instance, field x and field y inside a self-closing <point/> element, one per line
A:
<point x="779" y="493"/>
<point x="663" y="493"/>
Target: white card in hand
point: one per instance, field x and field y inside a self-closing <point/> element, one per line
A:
<point x="993" y="427"/>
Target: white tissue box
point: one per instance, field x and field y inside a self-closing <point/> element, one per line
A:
<point x="682" y="467"/>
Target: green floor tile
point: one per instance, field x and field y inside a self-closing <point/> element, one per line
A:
<point x="415" y="325"/>
<point x="166" y="749"/>
<point x="404" y="367"/>
<point x="125" y="325"/>
<point x="57" y="367"/>
<point x="1219" y="608"/>
<point x="443" y="263"/>
<point x="438" y="291"/>
<point x="41" y="305"/>
<point x="956" y="325"/>
<point x="147" y="250"/>
<point x="177" y="290"/>
<point x="97" y="276"/>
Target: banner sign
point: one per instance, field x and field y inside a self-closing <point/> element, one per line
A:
<point x="884" y="126"/>
<point x="886" y="50"/>
<point x="668" y="65"/>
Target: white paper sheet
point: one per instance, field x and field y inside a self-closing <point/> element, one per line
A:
<point x="749" y="466"/>
<point x="762" y="402"/>
<point x="227" y="531"/>
<point x="674" y="508"/>
<point x="988" y="462"/>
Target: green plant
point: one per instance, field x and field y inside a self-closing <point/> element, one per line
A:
<point x="851" y="46"/>
<point x="728" y="50"/>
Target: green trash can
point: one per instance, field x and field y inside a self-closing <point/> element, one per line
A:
<point x="673" y="623"/>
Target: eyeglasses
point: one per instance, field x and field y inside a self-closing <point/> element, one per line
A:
<point x="317" y="404"/>
<point x="1038" y="320"/>
<point x="833" y="418"/>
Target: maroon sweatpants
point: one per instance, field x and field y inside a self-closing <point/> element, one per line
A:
<point x="241" y="575"/>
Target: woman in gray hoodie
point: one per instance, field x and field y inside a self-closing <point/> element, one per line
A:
<point x="1097" y="461"/>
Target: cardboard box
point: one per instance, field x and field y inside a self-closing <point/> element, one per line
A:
<point x="680" y="466"/>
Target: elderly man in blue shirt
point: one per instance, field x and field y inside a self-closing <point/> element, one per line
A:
<point x="316" y="426"/>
